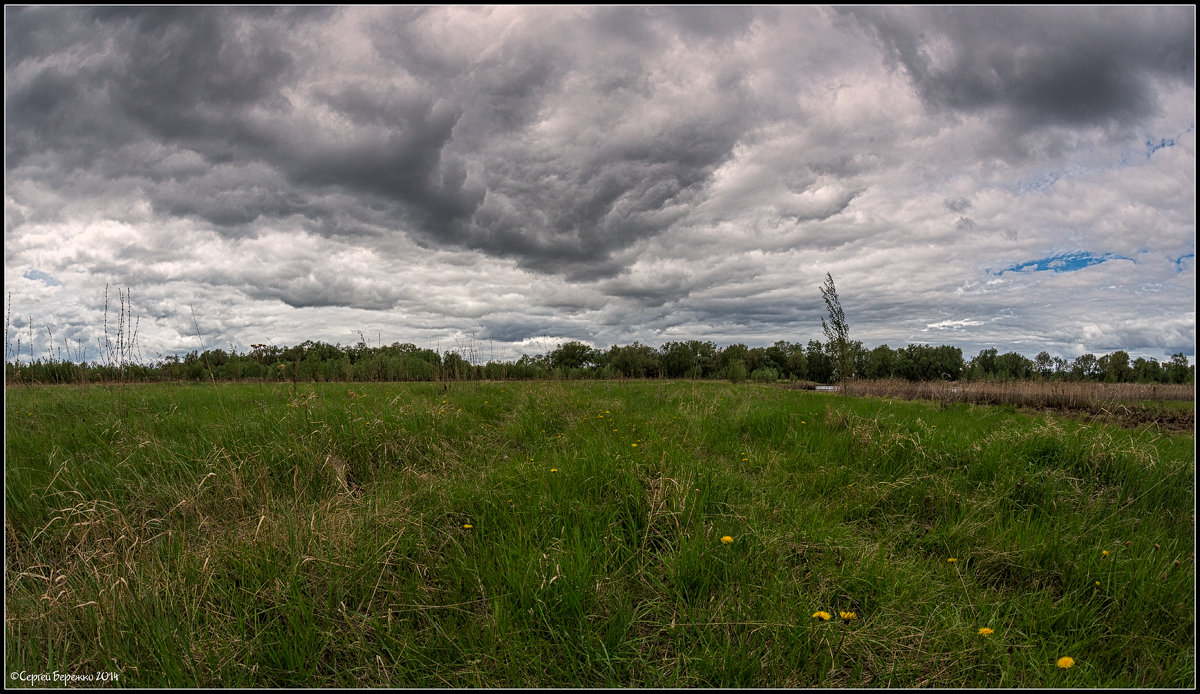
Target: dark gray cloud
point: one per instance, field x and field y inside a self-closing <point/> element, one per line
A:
<point x="958" y="204"/>
<point x="602" y="173"/>
<point x="1041" y="66"/>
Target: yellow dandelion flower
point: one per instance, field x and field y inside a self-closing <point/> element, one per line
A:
<point x="847" y="616"/>
<point x="553" y="469"/>
<point x="984" y="631"/>
<point x="951" y="560"/>
<point x="468" y="526"/>
<point x="1066" y="662"/>
<point x="635" y="445"/>
<point x="727" y="539"/>
<point x="823" y="616"/>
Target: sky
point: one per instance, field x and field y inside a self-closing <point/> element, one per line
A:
<point x="497" y="180"/>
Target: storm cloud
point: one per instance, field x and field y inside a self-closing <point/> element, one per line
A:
<point x="607" y="174"/>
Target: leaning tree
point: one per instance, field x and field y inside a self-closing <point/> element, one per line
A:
<point x="837" y="333"/>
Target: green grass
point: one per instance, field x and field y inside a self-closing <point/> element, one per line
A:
<point x="265" y="536"/>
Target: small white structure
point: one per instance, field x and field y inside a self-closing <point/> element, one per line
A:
<point x="827" y="388"/>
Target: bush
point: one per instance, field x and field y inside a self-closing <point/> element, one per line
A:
<point x="765" y="375"/>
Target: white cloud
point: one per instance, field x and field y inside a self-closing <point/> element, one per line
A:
<point x="607" y="174"/>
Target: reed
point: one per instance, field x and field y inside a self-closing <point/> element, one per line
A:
<point x="1050" y="394"/>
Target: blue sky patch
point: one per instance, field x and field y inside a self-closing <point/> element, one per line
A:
<point x="1062" y="262"/>
<point x="50" y="280"/>
<point x="1181" y="261"/>
<point x="1152" y="146"/>
<point x="1041" y="182"/>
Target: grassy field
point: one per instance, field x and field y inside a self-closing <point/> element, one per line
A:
<point x="638" y="534"/>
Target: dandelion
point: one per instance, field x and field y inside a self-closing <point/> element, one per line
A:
<point x="553" y="469"/>
<point x="951" y="560"/>
<point x="1066" y="662"/>
<point x="468" y="526"/>
<point x="1104" y="553"/>
<point x="984" y="631"/>
<point x="823" y="616"/>
<point x="847" y="616"/>
<point x="635" y="445"/>
<point x="727" y="539"/>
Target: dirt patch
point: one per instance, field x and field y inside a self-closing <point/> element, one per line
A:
<point x="1174" y="421"/>
<point x="1179" y="421"/>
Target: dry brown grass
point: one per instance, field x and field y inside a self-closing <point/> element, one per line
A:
<point x="1052" y="394"/>
<point x="1128" y="404"/>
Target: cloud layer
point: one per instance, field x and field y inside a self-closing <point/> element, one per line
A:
<point x="1022" y="178"/>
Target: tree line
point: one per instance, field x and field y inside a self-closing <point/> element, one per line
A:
<point x="813" y="362"/>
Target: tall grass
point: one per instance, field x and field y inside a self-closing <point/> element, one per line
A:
<point x="1052" y="394"/>
<point x="551" y="534"/>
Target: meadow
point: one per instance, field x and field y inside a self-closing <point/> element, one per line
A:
<point x="588" y="534"/>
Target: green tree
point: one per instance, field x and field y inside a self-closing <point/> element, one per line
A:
<point x="1043" y="365"/>
<point x="881" y="362"/>
<point x="819" y="365"/>
<point x="1086" y="367"/>
<point x="1012" y="366"/>
<point x="1148" y="370"/>
<point x="837" y="332"/>
<point x="1178" y="370"/>
<point x="1116" y="367"/>
<point x="983" y="366"/>
<point x="572" y="355"/>
<point x="634" y="361"/>
<point x="732" y="353"/>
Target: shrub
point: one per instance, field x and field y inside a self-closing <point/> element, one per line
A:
<point x="765" y="375"/>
